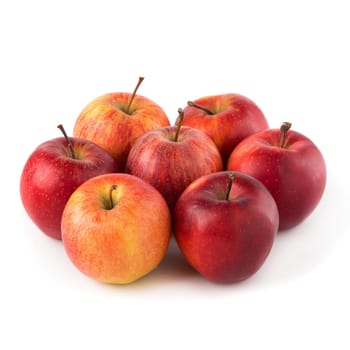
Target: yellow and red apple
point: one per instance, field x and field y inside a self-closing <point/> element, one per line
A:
<point x="116" y="228"/>
<point x="115" y="120"/>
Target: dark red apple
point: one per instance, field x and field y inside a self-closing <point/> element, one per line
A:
<point x="51" y="174"/>
<point x="170" y="158"/>
<point x="289" y="164"/>
<point x="226" y="118"/>
<point x="225" y="224"/>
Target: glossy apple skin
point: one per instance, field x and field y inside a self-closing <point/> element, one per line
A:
<point x="50" y="176"/>
<point x="295" y="175"/>
<point x="171" y="166"/>
<point x="105" y="122"/>
<point x="235" y="117"/>
<point x="118" y="245"/>
<point x="225" y="240"/>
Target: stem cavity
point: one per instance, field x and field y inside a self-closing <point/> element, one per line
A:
<point x="60" y="126"/>
<point x="179" y="121"/>
<point x="195" y="105"/>
<point x="127" y="111"/>
<point x="284" y="129"/>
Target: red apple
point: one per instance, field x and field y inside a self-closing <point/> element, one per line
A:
<point x="289" y="164"/>
<point x="170" y="158"/>
<point x="116" y="228"/>
<point x="51" y="174"/>
<point x="115" y="120"/>
<point x="225" y="225"/>
<point x="226" y="118"/>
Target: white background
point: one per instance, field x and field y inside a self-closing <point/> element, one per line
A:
<point x="290" y="57"/>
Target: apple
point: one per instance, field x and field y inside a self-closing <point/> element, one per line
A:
<point x="225" y="224"/>
<point x="51" y="174"/>
<point x="170" y="158"/>
<point x="116" y="228"/>
<point x="226" y="118"/>
<point x="289" y="164"/>
<point x="115" y="120"/>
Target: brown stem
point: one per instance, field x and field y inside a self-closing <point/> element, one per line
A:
<point x="113" y="187"/>
<point x="134" y="94"/>
<point x="195" y="105"/>
<point x="229" y="186"/>
<point x="60" y="126"/>
<point x="284" y="129"/>
<point x="179" y="121"/>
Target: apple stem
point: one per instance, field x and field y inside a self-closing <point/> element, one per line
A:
<point x="229" y="186"/>
<point x="60" y="126"/>
<point x="134" y="94"/>
<point x="284" y="129"/>
<point x="195" y="105"/>
<point x="113" y="187"/>
<point x="179" y="121"/>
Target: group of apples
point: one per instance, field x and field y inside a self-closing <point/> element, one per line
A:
<point x="219" y="180"/>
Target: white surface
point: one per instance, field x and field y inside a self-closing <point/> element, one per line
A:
<point x="292" y="58"/>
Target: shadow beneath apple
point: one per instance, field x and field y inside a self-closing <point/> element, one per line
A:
<point x="173" y="268"/>
<point x="174" y="265"/>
